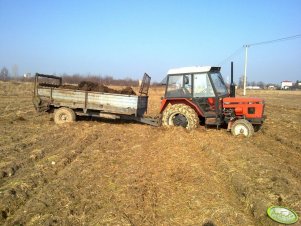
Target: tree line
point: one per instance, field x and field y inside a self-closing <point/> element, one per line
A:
<point x="74" y="79"/>
<point x="110" y="80"/>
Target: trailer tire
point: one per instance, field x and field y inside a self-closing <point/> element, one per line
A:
<point x="36" y="102"/>
<point x="242" y="127"/>
<point x="63" y="115"/>
<point x="180" y="115"/>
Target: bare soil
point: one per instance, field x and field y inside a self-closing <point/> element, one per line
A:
<point x="103" y="172"/>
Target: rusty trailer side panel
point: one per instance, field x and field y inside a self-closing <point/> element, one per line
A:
<point x="88" y="100"/>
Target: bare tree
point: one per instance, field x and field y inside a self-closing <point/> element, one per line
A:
<point x="261" y="84"/>
<point x="4" y="74"/>
<point x="241" y="82"/>
<point x="252" y="83"/>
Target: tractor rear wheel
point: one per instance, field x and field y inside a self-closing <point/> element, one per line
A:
<point x="180" y="115"/>
<point x="242" y="127"/>
<point x="63" y="115"/>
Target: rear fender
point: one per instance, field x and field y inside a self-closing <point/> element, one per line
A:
<point x="172" y="101"/>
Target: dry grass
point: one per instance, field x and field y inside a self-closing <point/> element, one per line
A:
<point x="102" y="172"/>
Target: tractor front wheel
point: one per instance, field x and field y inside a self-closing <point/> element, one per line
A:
<point x="242" y="127"/>
<point x="63" y="115"/>
<point x="180" y="115"/>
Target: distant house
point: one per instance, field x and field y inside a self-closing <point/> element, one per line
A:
<point x="271" y="87"/>
<point x="27" y="75"/>
<point x="253" y="87"/>
<point x="286" y="84"/>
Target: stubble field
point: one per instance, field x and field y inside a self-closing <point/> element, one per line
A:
<point x="102" y="172"/>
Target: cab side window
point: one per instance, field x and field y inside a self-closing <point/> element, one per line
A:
<point x="179" y="86"/>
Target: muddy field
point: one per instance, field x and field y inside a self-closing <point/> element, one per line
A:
<point x="102" y="172"/>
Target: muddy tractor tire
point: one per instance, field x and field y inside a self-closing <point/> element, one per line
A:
<point x="242" y="127"/>
<point x="63" y="115"/>
<point x="180" y="115"/>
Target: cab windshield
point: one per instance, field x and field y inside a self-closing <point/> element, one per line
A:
<point x="219" y="84"/>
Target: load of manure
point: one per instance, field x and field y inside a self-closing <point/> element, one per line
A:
<point x="97" y="87"/>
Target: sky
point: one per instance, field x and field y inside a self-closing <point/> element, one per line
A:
<point x="126" y="38"/>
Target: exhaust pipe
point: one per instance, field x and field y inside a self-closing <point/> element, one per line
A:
<point x="232" y="85"/>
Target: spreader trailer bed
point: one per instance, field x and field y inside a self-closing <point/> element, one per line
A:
<point x="67" y="103"/>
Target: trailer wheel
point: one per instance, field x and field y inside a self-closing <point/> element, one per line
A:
<point x="36" y="102"/>
<point x="180" y="115"/>
<point x="242" y="127"/>
<point x="63" y="115"/>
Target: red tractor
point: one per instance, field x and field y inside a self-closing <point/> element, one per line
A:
<point x="197" y="95"/>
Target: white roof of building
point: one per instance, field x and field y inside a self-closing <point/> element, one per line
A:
<point x="193" y="69"/>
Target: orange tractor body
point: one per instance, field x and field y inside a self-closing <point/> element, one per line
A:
<point x="197" y="95"/>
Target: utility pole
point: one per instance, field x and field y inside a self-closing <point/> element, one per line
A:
<point x="245" y="74"/>
<point x="263" y="43"/>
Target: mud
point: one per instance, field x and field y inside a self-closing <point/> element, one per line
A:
<point x="103" y="172"/>
<point x="97" y="87"/>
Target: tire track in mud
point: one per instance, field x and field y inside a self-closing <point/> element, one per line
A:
<point x="259" y="180"/>
<point x="283" y="152"/>
<point x="283" y="124"/>
<point x="125" y="177"/>
<point x="39" y="168"/>
<point x="221" y="206"/>
<point x="220" y="203"/>
<point x="287" y="157"/>
<point x="40" y="200"/>
<point x="168" y="177"/>
<point x="11" y="153"/>
<point x="13" y="145"/>
<point x="24" y="146"/>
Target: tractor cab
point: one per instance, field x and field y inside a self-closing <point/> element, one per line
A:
<point x="195" y="94"/>
<point x="204" y="82"/>
<point x="201" y="87"/>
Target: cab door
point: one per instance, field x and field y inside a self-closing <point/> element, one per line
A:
<point x="203" y="92"/>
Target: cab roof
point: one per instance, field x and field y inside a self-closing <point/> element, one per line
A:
<point x="193" y="69"/>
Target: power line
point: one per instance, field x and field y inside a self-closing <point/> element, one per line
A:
<point x="275" y="40"/>
<point x="259" y="43"/>
<point x="231" y="56"/>
<point x="263" y="43"/>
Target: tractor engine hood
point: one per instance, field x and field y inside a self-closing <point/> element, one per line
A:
<point x="247" y="107"/>
<point x="242" y="100"/>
